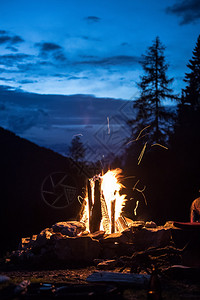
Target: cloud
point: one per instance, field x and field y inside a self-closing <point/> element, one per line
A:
<point x="89" y="38"/>
<point x="11" y="60"/>
<point x="27" y="81"/>
<point x="77" y="77"/>
<point x="187" y="10"/>
<point x="9" y="39"/>
<point x="3" y="32"/>
<point x="51" y="50"/>
<point x="11" y="48"/>
<point x="22" y="123"/>
<point x="46" y="47"/>
<point x="124" y="44"/>
<point x="112" y="61"/>
<point x="92" y="19"/>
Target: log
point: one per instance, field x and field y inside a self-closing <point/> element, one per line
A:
<point x="121" y="223"/>
<point x="112" y="216"/>
<point x="96" y="211"/>
<point x="136" y="280"/>
<point x="105" y="216"/>
<point x="89" y="202"/>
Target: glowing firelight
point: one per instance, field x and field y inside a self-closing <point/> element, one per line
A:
<point x="111" y="200"/>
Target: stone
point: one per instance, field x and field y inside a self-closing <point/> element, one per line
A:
<point x="151" y="237"/>
<point x="42" y="239"/>
<point x="70" y="228"/>
<point x="150" y="224"/>
<point x="134" y="224"/>
<point x="77" y="249"/>
<point x="98" y="235"/>
<point x="107" y="264"/>
<point x="24" y="243"/>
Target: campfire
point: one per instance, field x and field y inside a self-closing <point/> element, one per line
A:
<point x="104" y="203"/>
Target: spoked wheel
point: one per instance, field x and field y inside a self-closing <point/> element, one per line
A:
<point x="59" y="190"/>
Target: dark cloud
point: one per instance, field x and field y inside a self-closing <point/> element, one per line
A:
<point x="4" y="39"/>
<point x="13" y="49"/>
<point x="89" y="38"/>
<point x="113" y="60"/>
<point x="11" y="40"/>
<point x="51" y="49"/>
<point x="46" y="47"/>
<point x="10" y="60"/>
<point x="85" y="56"/>
<point x="92" y="19"/>
<point x="3" y="32"/>
<point x="26" y="81"/>
<point x="77" y="77"/>
<point x="124" y="44"/>
<point x="187" y="10"/>
<point x="19" y="124"/>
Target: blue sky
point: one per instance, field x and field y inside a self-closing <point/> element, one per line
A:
<point x="92" y="47"/>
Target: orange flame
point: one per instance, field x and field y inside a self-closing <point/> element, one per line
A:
<point x="110" y="195"/>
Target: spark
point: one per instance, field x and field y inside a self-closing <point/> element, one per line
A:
<point x="142" y="131"/>
<point x="139" y="135"/>
<point x="108" y="125"/>
<point x="136" y="206"/>
<point x="79" y="199"/>
<point x="142" y="153"/>
<point x="140" y="191"/>
<point x="156" y="144"/>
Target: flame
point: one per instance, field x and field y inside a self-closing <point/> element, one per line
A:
<point x="112" y="202"/>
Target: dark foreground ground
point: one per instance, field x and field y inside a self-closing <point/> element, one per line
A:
<point x="72" y="284"/>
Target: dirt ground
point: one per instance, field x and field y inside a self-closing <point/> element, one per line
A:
<point x="171" y="289"/>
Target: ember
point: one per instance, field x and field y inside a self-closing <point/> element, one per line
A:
<point x="104" y="203"/>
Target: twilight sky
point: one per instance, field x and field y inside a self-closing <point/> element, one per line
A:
<point x="92" y="46"/>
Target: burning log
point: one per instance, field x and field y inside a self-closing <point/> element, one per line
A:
<point x="105" y="215"/>
<point x="113" y="216"/>
<point x="89" y="192"/>
<point x="104" y="203"/>
<point x="96" y="211"/>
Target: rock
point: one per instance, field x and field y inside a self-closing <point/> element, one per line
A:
<point x="42" y="238"/>
<point x="107" y="264"/>
<point x="151" y="237"/>
<point x="71" y="228"/>
<point x="77" y="249"/>
<point x="181" y="272"/>
<point x="112" y="238"/>
<point x="150" y="224"/>
<point x="24" y="243"/>
<point x="134" y="224"/>
<point x="98" y="235"/>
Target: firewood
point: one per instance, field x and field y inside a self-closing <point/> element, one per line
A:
<point x="113" y="216"/>
<point x="89" y="202"/>
<point x="96" y="211"/>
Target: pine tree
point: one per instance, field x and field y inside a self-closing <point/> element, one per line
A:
<point x="77" y="150"/>
<point x="155" y="89"/>
<point x="192" y="90"/>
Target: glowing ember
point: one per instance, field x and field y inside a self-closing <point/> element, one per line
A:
<point x="111" y="202"/>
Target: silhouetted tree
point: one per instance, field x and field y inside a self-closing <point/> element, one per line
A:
<point x="192" y="90"/>
<point x="154" y="88"/>
<point x="77" y="150"/>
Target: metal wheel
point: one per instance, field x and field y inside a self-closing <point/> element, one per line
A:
<point x="59" y="190"/>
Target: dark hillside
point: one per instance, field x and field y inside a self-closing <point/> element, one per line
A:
<point x="24" y="167"/>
